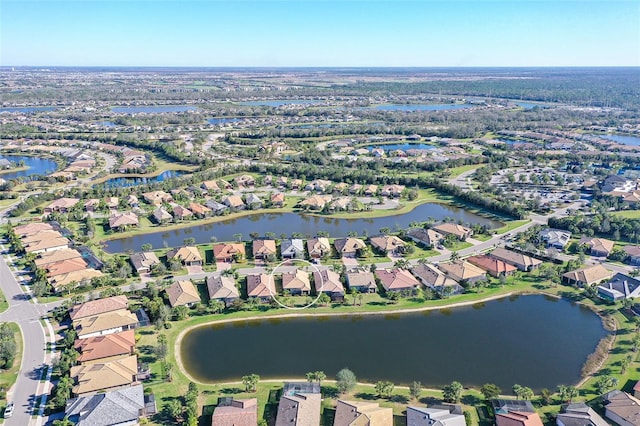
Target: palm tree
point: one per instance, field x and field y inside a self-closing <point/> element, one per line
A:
<point x="455" y="256"/>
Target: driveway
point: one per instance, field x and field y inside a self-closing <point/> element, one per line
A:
<point x="194" y="269"/>
<point x="349" y="261"/>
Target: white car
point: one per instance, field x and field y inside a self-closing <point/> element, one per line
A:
<point x="8" y="412"/>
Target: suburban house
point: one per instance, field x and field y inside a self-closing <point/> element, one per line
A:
<point x="388" y="244"/>
<point x="58" y="282"/>
<point x="142" y="262"/>
<point x="619" y="287"/>
<point x="91" y="205"/>
<point x="277" y="199"/>
<point x="182" y="293"/>
<point x="235" y="412"/>
<point x="362" y="281"/>
<point x="292" y="248"/>
<point x="105" y="348"/>
<point x="296" y="283"/>
<point x="132" y="201"/>
<point x="352" y="413"/>
<point x="210" y="186"/>
<point x="318" y="247"/>
<point x="216" y="207"/>
<point x="397" y="279"/>
<point x="116" y="407"/>
<point x="181" y="213"/>
<point x="264" y="249"/>
<point x="579" y="414"/>
<point x="370" y="190"/>
<point x="46" y="243"/>
<point x="422" y="416"/>
<point x="104" y="376"/>
<point x="600" y="247"/>
<point x="425" y="237"/>
<point x="495" y="267"/>
<point x="299" y="405"/>
<point x="587" y="276"/>
<point x="112" y="203"/>
<point x="315" y="202"/>
<point x="355" y="188"/>
<point x="99" y="306"/>
<point x="328" y="281"/>
<point x="518" y="418"/>
<point x="228" y="252"/>
<point x="521" y="261"/>
<point x="160" y="215"/>
<point x="123" y="221"/>
<point x="61" y="205"/>
<point x="157" y="197"/>
<point x="348" y="247"/>
<point x="435" y="279"/>
<point x="253" y="201"/>
<point x="622" y="408"/>
<point x="557" y="238"/>
<point x="233" y="202"/>
<point x="222" y="288"/>
<point x="261" y="286"/>
<point x="199" y="210"/>
<point x="244" y="180"/>
<point x="461" y="270"/>
<point x="634" y="254"/>
<point x="31" y="228"/>
<point x="392" y="190"/>
<point x="296" y="184"/>
<point x="187" y="255"/>
<point x="458" y="231"/>
<point x="65" y="266"/>
<point x="105" y="323"/>
<point x="56" y="256"/>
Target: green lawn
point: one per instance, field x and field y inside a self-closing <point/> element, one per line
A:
<point x="8" y="377"/>
<point x="457" y="171"/>
<point x="628" y="214"/>
<point x="4" y="305"/>
<point x="459" y="245"/>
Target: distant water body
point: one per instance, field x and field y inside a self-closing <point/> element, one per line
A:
<point x="152" y="109"/>
<point x="27" y="110"/>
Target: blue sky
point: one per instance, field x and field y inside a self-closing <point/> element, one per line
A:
<point x="320" y="33"/>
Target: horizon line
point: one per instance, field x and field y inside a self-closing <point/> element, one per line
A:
<point x="5" y="67"/>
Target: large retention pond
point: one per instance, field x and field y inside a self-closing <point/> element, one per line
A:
<point x="35" y="166"/>
<point x="289" y="223"/>
<point x="535" y="341"/>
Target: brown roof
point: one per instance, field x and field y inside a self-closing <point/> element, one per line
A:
<point x="182" y="293"/>
<point x="56" y="256"/>
<point x="211" y="185"/>
<point x="361" y="279"/>
<point x="110" y="345"/>
<point x="518" y="418"/>
<point x="601" y="245"/>
<point x="65" y="266"/>
<point x="241" y="412"/>
<point x="185" y="254"/>
<point x="258" y="285"/>
<point x="100" y="306"/>
<point x="318" y="246"/>
<point x="58" y="281"/>
<point x="104" y="322"/>
<point x="299" y="409"/>
<point x="387" y="242"/>
<point x="453" y="229"/>
<point x="491" y="264"/>
<point x="226" y="251"/>
<point x="264" y="247"/>
<point x="298" y="280"/>
<point x="277" y="198"/>
<point x="589" y="275"/>
<point x="41" y="236"/>
<point x="624" y="406"/>
<point x="432" y="276"/>
<point x="46" y="244"/>
<point x="633" y="251"/>
<point x="348" y="245"/>
<point x="461" y="270"/>
<point x="222" y="288"/>
<point x="199" y="208"/>
<point x="117" y="220"/>
<point x="328" y="281"/>
<point x="514" y="258"/>
<point x="396" y="279"/>
<point x="108" y="375"/>
<point x="356" y="413"/>
<point x="32" y="228"/>
<point x="63" y="203"/>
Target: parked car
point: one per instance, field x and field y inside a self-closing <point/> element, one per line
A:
<point x="8" y="412"/>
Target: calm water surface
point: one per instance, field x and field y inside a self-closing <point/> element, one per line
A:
<point x="36" y="166"/>
<point x="281" y="102"/>
<point x="422" y="107"/>
<point x="152" y="109"/>
<point x="627" y="140"/>
<point x="402" y="146"/>
<point x="289" y="223"/>
<point x="534" y="341"/>
<point x="133" y="181"/>
<point x="27" y="110"/>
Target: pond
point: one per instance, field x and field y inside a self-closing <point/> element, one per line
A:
<point x="534" y="340"/>
<point x="106" y="123"/>
<point x="626" y="140"/>
<point x="289" y="223"/>
<point x="223" y="120"/>
<point x="133" y="181"/>
<point x="529" y="105"/>
<point x="36" y="166"/>
<point x="401" y="146"/>
<point x="27" y="110"/>
<point x="281" y="102"/>
<point x="156" y="109"/>
<point x="422" y="107"/>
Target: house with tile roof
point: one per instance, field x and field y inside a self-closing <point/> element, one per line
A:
<point x="277" y="199"/>
<point x="361" y="281"/>
<point x="161" y="215"/>
<point x="521" y="261"/>
<point x="296" y="283"/>
<point x="264" y="249"/>
<point x="397" y="279"/>
<point x="299" y="408"/>
<point x="156" y="198"/>
<point x="430" y="276"/>
<point x="425" y="237"/>
<point x="181" y="213"/>
<point x="458" y="231"/>
<point x="188" y="255"/>
<point x="182" y="293"/>
<point x="557" y="238"/>
<point x="22" y="231"/>
<point x="494" y="267"/>
<point x="56" y="256"/>
<point x="348" y="247"/>
<point x="463" y="270"/>
<point x="228" y="252"/>
<point x="99" y="306"/>
<point x="622" y="408"/>
<point x="318" y="247"/>
<point x="143" y="262"/>
<point x="235" y="412"/>
<point x="600" y="247"/>
<point x="518" y="418"/>
<point x="423" y="416"/>
<point x="123" y="221"/>
<point x="47" y="242"/>
<point x="105" y="348"/>
<point x="122" y="407"/>
<point x="73" y="278"/>
<point x="328" y="282"/>
<point x="233" y="202"/>
<point x="292" y="248"/>
<point x="587" y="276"/>
<point x="261" y="286"/>
<point x="61" y="205"/>
<point x="199" y="210"/>
<point x="634" y="254"/>
<point x="362" y="413"/>
<point x="65" y="266"/>
<point x="388" y="244"/>
<point x="110" y="375"/>
<point x="106" y="323"/>
<point x="222" y="288"/>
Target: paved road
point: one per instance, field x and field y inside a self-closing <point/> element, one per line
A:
<point x="35" y="357"/>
